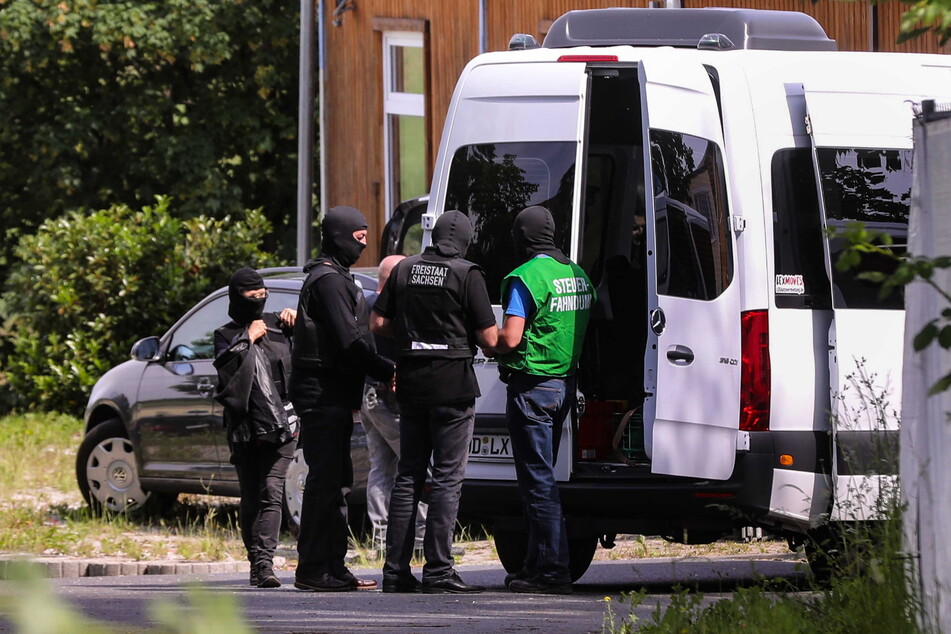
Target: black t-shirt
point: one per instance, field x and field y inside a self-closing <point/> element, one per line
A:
<point x="427" y="380"/>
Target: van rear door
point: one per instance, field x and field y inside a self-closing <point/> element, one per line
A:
<point x="692" y="364"/>
<point x="512" y="139"/>
<point x="862" y="142"/>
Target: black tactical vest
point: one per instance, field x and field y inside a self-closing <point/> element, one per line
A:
<point x="314" y="346"/>
<point x="430" y="319"/>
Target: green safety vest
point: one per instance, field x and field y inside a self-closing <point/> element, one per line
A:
<point x="553" y="338"/>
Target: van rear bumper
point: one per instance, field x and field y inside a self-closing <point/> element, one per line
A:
<point x="625" y="499"/>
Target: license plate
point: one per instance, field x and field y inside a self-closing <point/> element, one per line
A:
<point x="490" y="446"/>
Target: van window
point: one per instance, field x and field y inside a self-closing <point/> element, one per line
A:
<point x="492" y="182"/>
<point x="873" y="187"/>
<point x="694" y="252"/>
<point x="799" y="258"/>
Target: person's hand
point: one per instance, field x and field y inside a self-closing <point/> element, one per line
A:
<point x="288" y="316"/>
<point x="392" y="383"/>
<point x="256" y="330"/>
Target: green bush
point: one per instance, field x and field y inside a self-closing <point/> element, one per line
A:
<point x="87" y="286"/>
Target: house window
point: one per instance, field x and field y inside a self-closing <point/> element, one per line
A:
<point x="404" y="117"/>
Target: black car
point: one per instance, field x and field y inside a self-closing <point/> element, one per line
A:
<point x="153" y="430"/>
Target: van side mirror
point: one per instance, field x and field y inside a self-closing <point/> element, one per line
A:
<point x="145" y="349"/>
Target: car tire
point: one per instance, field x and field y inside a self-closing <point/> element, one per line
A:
<point x="512" y="546"/>
<point x="294" y="492"/>
<point x="108" y="476"/>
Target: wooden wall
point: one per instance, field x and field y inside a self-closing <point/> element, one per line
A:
<point x="354" y="92"/>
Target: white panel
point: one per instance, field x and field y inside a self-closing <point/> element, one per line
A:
<point x="866" y="348"/>
<point x="799" y="496"/>
<point x="711" y="450"/>
<point x="925" y="432"/>
<point x="860" y="498"/>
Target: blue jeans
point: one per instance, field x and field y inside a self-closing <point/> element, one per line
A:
<point x="441" y="433"/>
<point x="536" y="409"/>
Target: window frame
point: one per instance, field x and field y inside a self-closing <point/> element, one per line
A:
<point x="397" y="104"/>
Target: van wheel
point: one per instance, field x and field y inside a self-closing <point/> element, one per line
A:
<point x="841" y="549"/>
<point x="294" y="492"/>
<point x="108" y="476"/>
<point x="512" y="546"/>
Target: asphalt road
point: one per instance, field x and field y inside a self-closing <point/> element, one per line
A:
<point x="124" y="602"/>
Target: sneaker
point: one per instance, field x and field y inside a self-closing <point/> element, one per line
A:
<point x="539" y="586"/>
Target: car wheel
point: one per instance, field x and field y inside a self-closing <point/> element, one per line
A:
<point x="512" y="545"/>
<point x="107" y="474"/>
<point x="294" y="492"/>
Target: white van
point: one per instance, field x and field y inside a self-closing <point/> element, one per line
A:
<point x="732" y="376"/>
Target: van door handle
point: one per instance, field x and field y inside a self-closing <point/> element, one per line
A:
<point x="680" y="355"/>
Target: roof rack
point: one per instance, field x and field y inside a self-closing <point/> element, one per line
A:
<point x="708" y="28"/>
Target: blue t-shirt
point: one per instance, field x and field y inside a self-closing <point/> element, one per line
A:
<point x="519" y="302"/>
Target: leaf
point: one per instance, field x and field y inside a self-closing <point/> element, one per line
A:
<point x="872" y="276"/>
<point x="943" y="384"/>
<point x="925" y="336"/>
<point x="944" y="337"/>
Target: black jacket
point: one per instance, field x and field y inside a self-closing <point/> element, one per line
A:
<point x="334" y="350"/>
<point x="253" y="383"/>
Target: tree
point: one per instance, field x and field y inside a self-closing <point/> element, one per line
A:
<point x="86" y="286"/>
<point x="926" y="16"/>
<point x="111" y="102"/>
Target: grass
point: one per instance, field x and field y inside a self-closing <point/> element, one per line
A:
<point x="42" y="512"/>
<point x="39" y="452"/>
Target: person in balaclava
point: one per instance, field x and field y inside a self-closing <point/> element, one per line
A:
<point x="437" y="308"/>
<point x="333" y="353"/>
<point x="253" y="359"/>
<point x="546" y="303"/>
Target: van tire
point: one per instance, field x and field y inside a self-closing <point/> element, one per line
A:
<point x="512" y="546"/>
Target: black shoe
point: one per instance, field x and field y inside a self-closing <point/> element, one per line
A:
<point x="356" y="582"/>
<point x="451" y="585"/>
<point x="266" y="577"/>
<point x="512" y="576"/>
<point x="539" y="586"/>
<point x="254" y="577"/>
<point x="407" y="584"/>
<point x="322" y="583"/>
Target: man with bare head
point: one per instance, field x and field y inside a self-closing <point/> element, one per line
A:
<point x="381" y="421"/>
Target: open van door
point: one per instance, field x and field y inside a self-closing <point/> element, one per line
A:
<point x="513" y="139"/>
<point x="692" y="365"/>
<point x="862" y="144"/>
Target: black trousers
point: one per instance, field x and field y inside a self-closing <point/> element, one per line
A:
<point x="324" y="531"/>
<point x="440" y="433"/>
<point x="261" y="468"/>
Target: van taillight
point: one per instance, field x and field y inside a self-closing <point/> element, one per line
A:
<point x="754" y="382"/>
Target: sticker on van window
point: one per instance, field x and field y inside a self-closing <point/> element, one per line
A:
<point x="790" y="285"/>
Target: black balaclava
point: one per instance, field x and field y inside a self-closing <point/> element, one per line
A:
<point x="337" y="230"/>
<point x="243" y="310"/>
<point x="452" y="234"/>
<point x="534" y="234"/>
